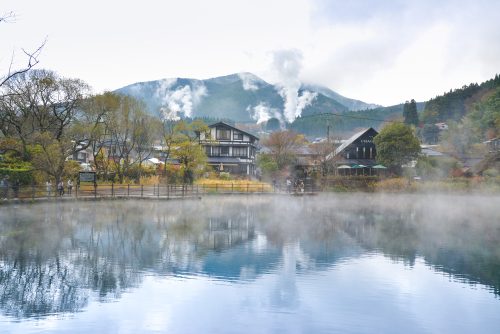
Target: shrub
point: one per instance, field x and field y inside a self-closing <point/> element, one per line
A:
<point x="394" y="184"/>
<point x="25" y="176"/>
<point x="225" y="176"/>
<point x="491" y="172"/>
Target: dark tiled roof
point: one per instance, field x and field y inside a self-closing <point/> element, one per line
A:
<point x="232" y="127"/>
<point x="351" y="140"/>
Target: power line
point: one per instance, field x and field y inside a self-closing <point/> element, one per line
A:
<point x="350" y="116"/>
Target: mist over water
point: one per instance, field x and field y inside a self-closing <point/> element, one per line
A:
<point x="359" y="263"/>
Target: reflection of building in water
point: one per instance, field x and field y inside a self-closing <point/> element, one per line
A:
<point x="225" y="232"/>
<point x="285" y="293"/>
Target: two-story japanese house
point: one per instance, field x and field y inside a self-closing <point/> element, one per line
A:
<point x="357" y="153"/>
<point x="230" y="149"/>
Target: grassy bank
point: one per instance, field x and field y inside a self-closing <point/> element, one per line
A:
<point x="373" y="184"/>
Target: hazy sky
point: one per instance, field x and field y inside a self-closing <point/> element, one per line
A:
<point x="379" y="51"/>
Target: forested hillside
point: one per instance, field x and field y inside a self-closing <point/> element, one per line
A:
<point x="485" y="114"/>
<point x="454" y="105"/>
<point x="346" y="123"/>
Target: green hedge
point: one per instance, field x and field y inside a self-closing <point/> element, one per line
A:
<point x="25" y="176"/>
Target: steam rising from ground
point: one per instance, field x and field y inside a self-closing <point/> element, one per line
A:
<point x="271" y="241"/>
<point x="262" y="113"/>
<point x="305" y="100"/>
<point x="288" y="64"/>
<point x="180" y="100"/>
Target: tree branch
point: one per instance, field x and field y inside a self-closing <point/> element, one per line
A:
<point x="32" y="61"/>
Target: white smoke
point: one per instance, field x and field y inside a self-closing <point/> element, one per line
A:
<point x="262" y="113"/>
<point x="248" y="81"/>
<point x="304" y="100"/>
<point x="287" y="65"/>
<point x="181" y="100"/>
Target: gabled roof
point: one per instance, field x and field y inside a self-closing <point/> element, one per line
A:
<point x="232" y="127"/>
<point x="352" y="140"/>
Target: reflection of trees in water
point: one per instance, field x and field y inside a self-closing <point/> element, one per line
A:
<point x="35" y="278"/>
<point x="54" y="257"/>
<point x="462" y="242"/>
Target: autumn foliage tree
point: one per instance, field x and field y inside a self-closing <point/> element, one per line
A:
<point x="42" y="119"/>
<point x="283" y="146"/>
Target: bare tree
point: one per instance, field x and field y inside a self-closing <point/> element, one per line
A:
<point x="323" y="152"/>
<point x="32" y="56"/>
<point x="127" y="134"/>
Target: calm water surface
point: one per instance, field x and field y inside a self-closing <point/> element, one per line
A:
<point x="354" y="263"/>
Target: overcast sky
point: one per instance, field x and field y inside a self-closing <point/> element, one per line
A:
<point x="379" y="51"/>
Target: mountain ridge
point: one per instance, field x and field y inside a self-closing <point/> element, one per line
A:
<point x="243" y="97"/>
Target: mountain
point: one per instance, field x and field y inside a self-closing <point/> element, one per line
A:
<point x="242" y="97"/>
<point x="351" y="104"/>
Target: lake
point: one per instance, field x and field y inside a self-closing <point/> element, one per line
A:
<point x="345" y="263"/>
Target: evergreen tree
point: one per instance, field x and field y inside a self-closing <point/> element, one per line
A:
<point x="410" y="113"/>
<point x="396" y="145"/>
<point x="406" y="110"/>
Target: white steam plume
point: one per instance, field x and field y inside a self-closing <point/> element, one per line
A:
<point x="262" y="113"/>
<point x="248" y="81"/>
<point x="304" y="100"/>
<point x="288" y="64"/>
<point x="181" y="100"/>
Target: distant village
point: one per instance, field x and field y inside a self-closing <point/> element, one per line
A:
<point x="234" y="151"/>
<point x="116" y="139"/>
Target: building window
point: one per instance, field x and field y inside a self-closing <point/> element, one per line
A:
<point x="223" y="134"/>
<point x="242" y="169"/>
<point x="237" y="135"/>
<point x="220" y="151"/>
<point x="207" y="151"/>
<point x="216" y="151"/>
<point x="240" y="152"/>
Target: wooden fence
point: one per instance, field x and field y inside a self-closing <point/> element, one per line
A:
<point x="164" y="191"/>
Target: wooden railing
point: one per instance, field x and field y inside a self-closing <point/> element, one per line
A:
<point x="164" y="191"/>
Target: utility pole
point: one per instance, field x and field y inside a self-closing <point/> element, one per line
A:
<point x="328" y="131"/>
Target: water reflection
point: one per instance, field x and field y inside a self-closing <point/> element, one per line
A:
<point x="57" y="258"/>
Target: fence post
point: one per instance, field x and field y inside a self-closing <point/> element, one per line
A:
<point x="216" y="187"/>
<point x="32" y="191"/>
<point x="142" y="190"/>
<point x="128" y="190"/>
<point x="113" y="189"/>
<point x="76" y="190"/>
<point x="168" y="191"/>
<point x="95" y="190"/>
<point x="158" y="194"/>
